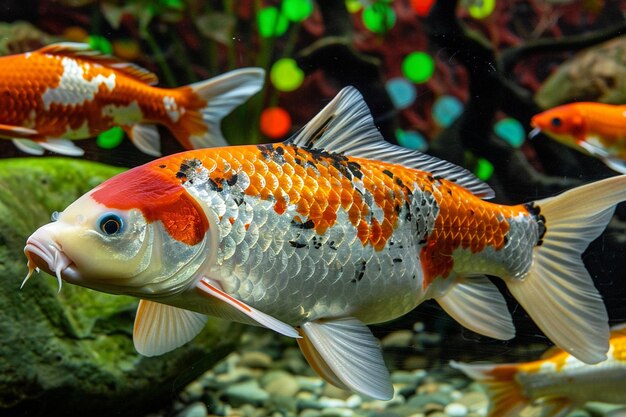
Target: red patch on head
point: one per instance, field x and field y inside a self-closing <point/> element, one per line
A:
<point x="159" y="196"/>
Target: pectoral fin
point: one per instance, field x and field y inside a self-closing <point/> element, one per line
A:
<point x="145" y="137"/>
<point x="60" y="146"/>
<point x="476" y="303"/>
<point x="346" y="354"/>
<point x="160" y="328"/>
<point x="211" y="288"/>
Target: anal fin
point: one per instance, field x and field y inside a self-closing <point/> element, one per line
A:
<point x="160" y="328"/>
<point x="476" y="303"/>
<point x="211" y="288"/>
<point x="345" y="353"/>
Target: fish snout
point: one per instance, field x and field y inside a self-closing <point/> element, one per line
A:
<point x="44" y="253"/>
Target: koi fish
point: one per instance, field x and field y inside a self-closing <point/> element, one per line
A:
<point x="593" y="128"/>
<point x="66" y="91"/>
<point x="324" y="233"/>
<point x="558" y="382"/>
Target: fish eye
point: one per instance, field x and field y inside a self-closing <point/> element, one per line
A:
<point x="110" y="224"/>
<point x="556" y="121"/>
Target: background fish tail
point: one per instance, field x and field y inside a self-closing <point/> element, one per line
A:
<point x="505" y="394"/>
<point x="558" y="292"/>
<point x="199" y="126"/>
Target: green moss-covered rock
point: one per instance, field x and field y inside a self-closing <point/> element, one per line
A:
<point x="72" y="353"/>
<point x="595" y="74"/>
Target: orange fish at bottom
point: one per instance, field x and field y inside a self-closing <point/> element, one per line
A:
<point x="557" y="383"/>
<point x="66" y="91"/>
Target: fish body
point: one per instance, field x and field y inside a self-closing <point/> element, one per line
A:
<point x="558" y="382"/>
<point x="594" y="128"/>
<point x="66" y="91"/>
<point x="319" y="235"/>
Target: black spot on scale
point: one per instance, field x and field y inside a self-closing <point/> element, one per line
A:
<point x="397" y="260"/>
<point x="266" y="150"/>
<point x="232" y="180"/>
<point x="309" y="224"/>
<point x="388" y="173"/>
<point x="355" y="169"/>
<point x="162" y="166"/>
<point x="399" y="182"/>
<point x="181" y="175"/>
<point x="331" y="245"/>
<point x="297" y="245"/>
<point x="214" y="185"/>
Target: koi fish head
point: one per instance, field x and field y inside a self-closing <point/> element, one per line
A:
<point x="134" y="234"/>
<point x="564" y="123"/>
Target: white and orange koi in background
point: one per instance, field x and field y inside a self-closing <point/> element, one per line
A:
<point x="66" y="91"/>
<point x="556" y="384"/>
<point x="324" y="233"/>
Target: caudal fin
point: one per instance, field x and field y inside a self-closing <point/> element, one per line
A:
<point x="506" y="395"/>
<point x="558" y="292"/>
<point x="200" y="128"/>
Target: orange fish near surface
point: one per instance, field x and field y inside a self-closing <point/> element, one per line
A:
<point x="66" y="91"/>
<point x="557" y="383"/>
<point x="594" y="128"/>
<point x="324" y="233"/>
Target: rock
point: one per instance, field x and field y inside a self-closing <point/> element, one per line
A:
<point x="248" y="392"/>
<point x="280" y="383"/>
<point x="456" y="410"/>
<point x="197" y="409"/>
<point x="74" y="351"/>
<point x="255" y="359"/>
<point x="594" y="74"/>
<point x="399" y="338"/>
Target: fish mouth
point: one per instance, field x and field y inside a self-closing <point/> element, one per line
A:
<point x="47" y="255"/>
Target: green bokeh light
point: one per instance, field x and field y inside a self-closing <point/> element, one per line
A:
<point x="353" y="6"/>
<point x="480" y="9"/>
<point x="111" y="138"/>
<point x="286" y="75"/>
<point x="511" y="131"/>
<point x="484" y="169"/>
<point x="297" y="10"/>
<point x="379" y="17"/>
<point x="418" y="67"/>
<point x="271" y="22"/>
<point x="100" y="43"/>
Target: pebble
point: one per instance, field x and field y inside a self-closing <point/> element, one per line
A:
<point x="248" y="392"/>
<point x="255" y="359"/>
<point x="337" y="412"/>
<point x="280" y="383"/>
<point x="196" y="409"/>
<point x="400" y="338"/>
<point x="456" y="410"/>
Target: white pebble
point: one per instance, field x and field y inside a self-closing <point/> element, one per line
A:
<point x="456" y="410"/>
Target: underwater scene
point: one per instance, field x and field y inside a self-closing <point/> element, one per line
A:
<point x="299" y="208"/>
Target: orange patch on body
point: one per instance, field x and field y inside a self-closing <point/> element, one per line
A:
<point x="464" y="222"/>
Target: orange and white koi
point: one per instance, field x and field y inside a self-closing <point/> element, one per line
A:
<point x="322" y="234"/>
<point x="66" y="91"/>
<point x="594" y="128"/>
<point x="557" y="383"/>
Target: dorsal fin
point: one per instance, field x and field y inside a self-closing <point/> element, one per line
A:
<point x="85" y="52"/>
<point x="345" y="126"/>
<point x="618" y="329"/>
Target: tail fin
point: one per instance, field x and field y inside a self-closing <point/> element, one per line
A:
<point x="505" y="394"/>
<point x="218" y="97"/>
<point x="558" y="292"/>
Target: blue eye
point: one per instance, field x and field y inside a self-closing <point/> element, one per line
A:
<point x="110" y="224"/>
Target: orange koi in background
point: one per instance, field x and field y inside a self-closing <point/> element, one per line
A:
<point x="557" y="383"/>
<point x="66" y="91"/>
<point x="594" y="128"/>
<point x="317" y="236"/>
